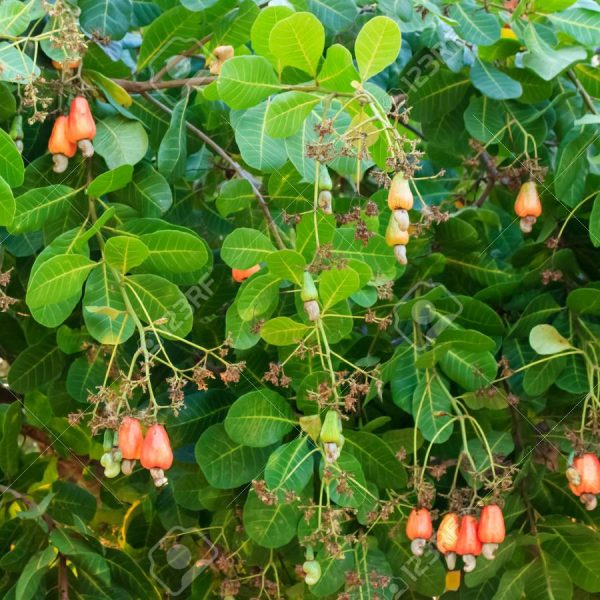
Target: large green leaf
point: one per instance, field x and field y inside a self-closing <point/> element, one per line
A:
<point x="376" y="458"/>
<point x="244" y="247"/>
<point x="172" y="152"/>
<point x="431" y="409"/>
<point x="106" y="18"/>
<point x="298" y="41"/>
<point x="259" y="149"/>
<point x="377" y="46"/>
<point x="493" y="82"/>
<point x="172" y="32"/>
<point x="58" y="279"/>
<point x="174" y="252"/>
<point x="259" y="419"/>
<point x="474" y="23"/>
<point x="270" y="526"/>
<point x="290" y="467"/>
<point x="104" y="309"/>
<point x="149" y="193"/>
<point x="155" y="299"/>
<point x="286" y="113"/>
<point x="120" y="141"/>
<point x="246" y="81"/>
<point x="225" y="463"/>
<point x="32" y="574"/>
<point x="38" y="365"/>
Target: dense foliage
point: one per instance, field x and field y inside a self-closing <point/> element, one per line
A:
<point x="227" y="246"/>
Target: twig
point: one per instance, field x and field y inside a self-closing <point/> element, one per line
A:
<point x="5" y="489"/>
<point x="582" y="91"/>
<point x="233" y="164"/>
<point x="139" y="87"/>
<point x="492" y="174"/>
<point x="176" y="59"/>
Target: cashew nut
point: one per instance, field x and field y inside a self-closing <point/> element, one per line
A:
<point x="489" y="551"/>
<point x="469" y="563"/>
<point x="417" y="546"/>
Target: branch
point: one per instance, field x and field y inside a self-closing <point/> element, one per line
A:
<point x="139" y="87"/>
<point x="492" y="175"/>
<point x="582" y="91"/>
<point x="233" y="164"/>
<point x="63" y="578"/>
<point x="6" y="489"/>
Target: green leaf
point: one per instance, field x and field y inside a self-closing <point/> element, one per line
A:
<point x="30" y="579"/>
<point x="572" y="165"/>
<point x="548" y="580"/>
<point x="58" y="279"/>
<point x="36" y="206"/>
<point x="286" y="113"/>
<point x="336" y="15"/>
<point x="11" y="430"/>
<point x="106" y="18"/>
<point x="545" y="339"/>
<point x="287" y="265"/>
<point x="270" y="526"/>
<point x="471" y="370"/>
<point x="259" y="297"/>
<point x="258" y="149"/>
<point x="440" y="94"/>
<point x="130" y="576"/>
<point x="120" y="141"/>
<point x="347" y="468"/>
<point x="475" y="24"/>
<point x="432" y="409"/>
<point x="110" y="181"/>
<point x="244" y="248"/>
<point x="235" y="195"/>
<point x="338" y="71"/>
<point x="156" y="299"/>
<point x="538" y="378"/>
<point x="512" y="583"/>
<point x="175" y="31"/>
<point x="246" y="81"/>
<point x="71" y="504"/>
<point x="377" y="46"/>
<point x="262" y="26"/>
<point x="202" y="409"/>
<point x="12" y="169"/>
<point x="336" y="285"/>
<point x="298" y="41"/>
<point x="15" y="16"/>
<point x="577" y="548"/>
<point x="377" y="459"/>
<point x="581" y="24"/>
<point x="36" y="366"/>
<point x="104" y="310"/>
<point x="584" y="301"/>
<point x="82" y="554"/>
<point x="149" y="193"/>
<point x="543" y="60"/>
<point x="125" y="252"/>
<point x="174" y="252"/>
<point x="259" y="419"/>
<point x="172" y="152"/>
<point x="290" y="467"/>
<point x="225" y="463"/>
<point x="7" y="204"/>
<point x="283" y="331"/>
<point x="483" y="118"/>
<point x="85" y="377"/>
<point x="493" y="82"/>
<point x="15" y="67"/>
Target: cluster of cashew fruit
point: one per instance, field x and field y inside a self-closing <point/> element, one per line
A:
<point x="400" y="201"/>
<point x="462" y="536"/>
<point x="72" y="131"/>
<point x="528" y="206"/>
<point x="124" y="448"/>
<point x="583" y="475"/>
